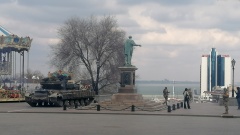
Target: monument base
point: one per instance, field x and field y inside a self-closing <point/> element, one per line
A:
<point x="133" y="97"/>
<point x="127" y="90"/>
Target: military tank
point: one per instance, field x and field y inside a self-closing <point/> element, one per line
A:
<point x="59" y="89"/>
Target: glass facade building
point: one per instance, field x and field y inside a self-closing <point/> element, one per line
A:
<point x="215" y="71"/>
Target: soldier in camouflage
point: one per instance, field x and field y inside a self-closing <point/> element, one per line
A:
<point x="225" y="99"/>
<point x="165" y="95"/>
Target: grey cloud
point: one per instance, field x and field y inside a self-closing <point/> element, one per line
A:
<point x="56" y="3"/>
<point x="184" y="67"/>
<point x="55" y="11"/>
<point x="204" y="15"/>
<point x="181" y="17"/>
<point x="38" y="58"/>
<point x="163" y="2"/>
<point x="137" y="31"/>
<point x="229" y="24"/>
<point x="6" y="1"/>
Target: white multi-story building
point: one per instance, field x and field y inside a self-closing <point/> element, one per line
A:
<point x="215" y="71"/>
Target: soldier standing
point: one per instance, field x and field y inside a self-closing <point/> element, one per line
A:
<point x="238" y="97"/>
<point x="165" y="95"/>
<point x="225" y="99"/>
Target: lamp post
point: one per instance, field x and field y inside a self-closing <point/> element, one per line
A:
<point x="173" y="89"/>
<point x="233" y="64"/>
<point x="25" y="78"/>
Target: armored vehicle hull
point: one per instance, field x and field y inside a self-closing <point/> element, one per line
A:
<point x="59" y="97"/>
<point x="57" y="90"/>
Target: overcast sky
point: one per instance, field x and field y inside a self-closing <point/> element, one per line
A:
<point x="173" y="33"/>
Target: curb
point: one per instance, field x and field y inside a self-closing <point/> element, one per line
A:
<point x="130" y="113"/>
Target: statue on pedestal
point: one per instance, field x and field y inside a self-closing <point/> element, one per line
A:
<point x="128" y="50"/>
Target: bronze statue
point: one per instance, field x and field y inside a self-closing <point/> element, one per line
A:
<point x="128" y="50"/>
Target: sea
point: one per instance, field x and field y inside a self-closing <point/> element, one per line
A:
<point x="155" y="90"/>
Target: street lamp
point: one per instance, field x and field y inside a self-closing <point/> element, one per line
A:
<point x="25" y="78"/>
<point x="233" y="64"/>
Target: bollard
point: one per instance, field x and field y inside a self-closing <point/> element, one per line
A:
<point x="182" y="104"/>
<point x="173" y="107"/>
<point x="76" y="105"/>
<point x="98" y="107"/>
<point x="169" y="108"/>
<point x="133" y="108"/>
<point x="178" y="106"/>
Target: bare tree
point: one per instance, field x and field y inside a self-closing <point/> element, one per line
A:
<point x="33" y="76"/>
<point x="94" y="45"/>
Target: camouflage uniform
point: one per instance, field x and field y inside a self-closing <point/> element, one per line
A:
<point x="190" y="95"/>
<point x="225" y="99"/>
<point x="165" y="95"/>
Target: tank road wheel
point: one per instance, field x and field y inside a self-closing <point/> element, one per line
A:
<point x="91" y="100"/>
<point x="51" y="104"/>
<point x="86" y="102"/>
<point x="39" y="103"/>
<point x="59" y="103"/>
<point x="71" y="103"/>
<point x="32" y="104"/>
<point x="79" y="103"/>
<point x="82" y="102"/>
<point x="45" y="103"/>
<point x="67" y="103"/>
<point x="75" y="103"/>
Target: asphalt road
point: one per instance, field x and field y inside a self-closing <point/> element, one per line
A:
<point x="110" y="124"/>
<point x="21" y="119"/>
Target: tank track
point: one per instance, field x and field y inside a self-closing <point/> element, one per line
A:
<point x="60" y="103"/>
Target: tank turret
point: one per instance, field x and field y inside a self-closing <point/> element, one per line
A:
<point x="58" y="88"/>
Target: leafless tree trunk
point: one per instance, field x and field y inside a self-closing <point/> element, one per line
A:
<point x="94" y="45"/>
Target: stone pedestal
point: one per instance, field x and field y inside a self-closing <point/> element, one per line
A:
<point x="127" y="80"/>
<point x="128" y="97"/>
<point x="127" y="91"/>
